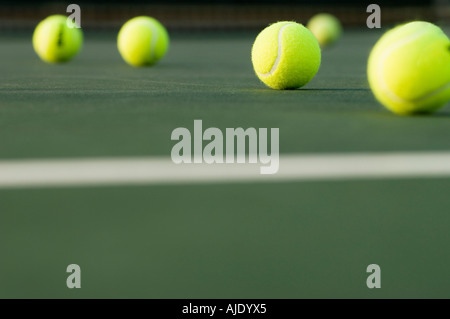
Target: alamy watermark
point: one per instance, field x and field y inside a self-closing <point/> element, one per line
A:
<point x="227" y="147"/>
<point x="74" y="279"/>
<point x="74" y="20"/>
<point x="374" y="19"/>
<point x="374" y="279"/>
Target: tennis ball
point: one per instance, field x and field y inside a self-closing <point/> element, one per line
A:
<point x="142" y="41"/>
<point x="409" y="68"/>
<point x="326" y="28"/>
<point x="286" y="55"/>
<point x="54" y="41"/>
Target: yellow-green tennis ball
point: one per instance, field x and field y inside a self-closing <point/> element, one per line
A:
<point x="54" y="41"/>
<point x="143" y="41"/>
<point x="326" y="28"/>
<point x="409" y="68"/>
<point x="286" y="55"/>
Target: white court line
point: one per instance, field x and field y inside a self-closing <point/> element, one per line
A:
<point x="155" y="171"/>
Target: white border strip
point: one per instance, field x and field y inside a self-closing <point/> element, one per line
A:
<point x="158" y="171"/>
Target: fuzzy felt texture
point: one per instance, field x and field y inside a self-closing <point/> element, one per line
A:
<point x="286" y="55"/>
<point x="409" y="68"/>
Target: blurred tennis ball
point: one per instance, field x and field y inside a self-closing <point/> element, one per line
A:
<point x="143" y="41"/>
<point x="326" y="28"/>
<point x="286" y="55"/>
<point x="409" y="68"/>
<point x="54" y="41"/>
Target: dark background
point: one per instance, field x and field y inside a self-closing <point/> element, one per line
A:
<point x="238" y="2"/>
<point x="200" y="15"/>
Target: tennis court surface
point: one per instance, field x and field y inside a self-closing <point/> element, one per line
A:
<point x="87" y="178"/>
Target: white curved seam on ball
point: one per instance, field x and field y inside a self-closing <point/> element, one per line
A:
<point x="432" y="93"/>
<point x="380" y="73"/>
<point x="153" y="41"/>
<point x="279" y="53"/>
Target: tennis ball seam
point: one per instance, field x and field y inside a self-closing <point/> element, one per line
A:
<point x="155" y="34"/>
<point x="279" y="52"/>
<point x="380" y="73"/>
<point x="295" y="48"/>
<point x="142" y="41"/>
<point x="54" y="41"/>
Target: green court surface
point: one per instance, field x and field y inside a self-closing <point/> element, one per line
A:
<point x="297" y="239"/>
